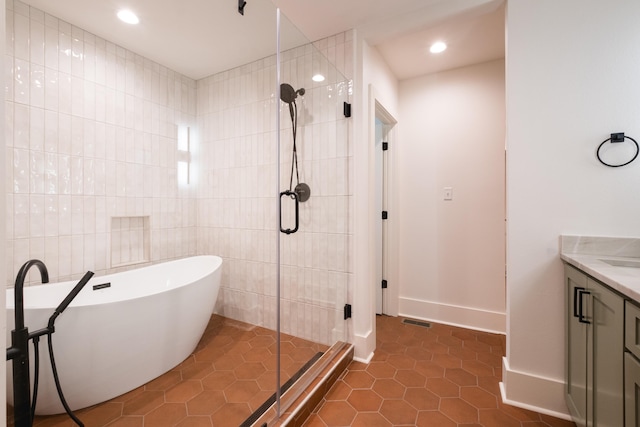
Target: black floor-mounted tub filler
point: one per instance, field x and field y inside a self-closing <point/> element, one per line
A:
<point x="24" y="402"/>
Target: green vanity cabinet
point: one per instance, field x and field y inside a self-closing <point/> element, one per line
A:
<point x="632" y="365"/>
<point x="594" y="352"/>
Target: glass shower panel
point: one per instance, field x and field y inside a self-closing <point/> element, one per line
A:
<point x="315" y="198"/>
<point x="237" y="214"/>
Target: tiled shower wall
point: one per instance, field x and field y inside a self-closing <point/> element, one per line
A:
<point x="236" y="197"/>
<point x="91" y="133"/>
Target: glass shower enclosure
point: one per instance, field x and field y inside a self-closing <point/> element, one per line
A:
<point x="275" y="196"/>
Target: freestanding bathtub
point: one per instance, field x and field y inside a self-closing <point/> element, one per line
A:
<point x="113" y="339"/>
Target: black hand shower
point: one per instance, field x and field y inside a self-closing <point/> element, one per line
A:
<point x="49" y="330"/>
<point x="288" y="95"/>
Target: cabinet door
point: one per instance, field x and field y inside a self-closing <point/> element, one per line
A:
<point x="576" y="351"/>
<point x="606" y="314"/>
<point x="631" y="391"/>
<point x="632" y="328"/>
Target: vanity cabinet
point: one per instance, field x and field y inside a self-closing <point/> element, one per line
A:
<point x="632" y="364"/>
<point x="595" y="351"/>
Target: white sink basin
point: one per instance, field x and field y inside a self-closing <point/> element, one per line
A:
<point x="623" y="262"/>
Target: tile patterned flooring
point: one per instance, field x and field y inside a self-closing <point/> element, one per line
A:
<point x="229" y="375"/>
<point x="441" y="376"/>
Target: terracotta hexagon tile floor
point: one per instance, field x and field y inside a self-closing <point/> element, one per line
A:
<point x="436" y="377"/>
<point x="441" y="376"/>
<point x="228" y="376"/>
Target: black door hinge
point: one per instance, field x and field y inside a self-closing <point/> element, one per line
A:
<point x="384" y="284"/>
<point x="346" y="109"/>
<point x="241" y="5"/>
<point x="347" y="311"/>
<point x="385" y="146"/>
<point x="385" y="214"/>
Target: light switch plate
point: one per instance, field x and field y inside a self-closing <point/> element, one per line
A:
<point x="448" y="193"/>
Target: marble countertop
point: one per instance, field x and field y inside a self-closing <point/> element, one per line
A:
<point x="588" y="253"/>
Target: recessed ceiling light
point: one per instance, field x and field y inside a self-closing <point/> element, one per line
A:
<point x="438" y="47"/>
<point x="317" y="78"/>
<point x="128" y="16"/>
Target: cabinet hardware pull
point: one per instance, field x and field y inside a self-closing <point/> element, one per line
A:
<point x="581" y="317"/>
<point x="575" y="300"/>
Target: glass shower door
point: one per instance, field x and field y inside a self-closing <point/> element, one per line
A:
<point x="314" y="199"/>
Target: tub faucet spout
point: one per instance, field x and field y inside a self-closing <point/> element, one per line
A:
<point x="19" y="288"/>
<point x="19" y="350"/>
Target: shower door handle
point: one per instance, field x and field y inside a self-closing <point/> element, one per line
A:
<point x="294" y="196"/>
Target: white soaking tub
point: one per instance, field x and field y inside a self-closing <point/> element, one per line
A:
<point x="115" y="338"/>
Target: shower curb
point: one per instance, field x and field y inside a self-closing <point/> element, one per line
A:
<point x="304" y="405"/>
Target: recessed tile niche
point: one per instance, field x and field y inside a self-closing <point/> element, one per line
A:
<point x="130" y="240"/>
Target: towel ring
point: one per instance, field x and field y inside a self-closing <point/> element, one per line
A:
<point x="615" y="138"/>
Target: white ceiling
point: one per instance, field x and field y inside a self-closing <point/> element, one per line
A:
<point x="199" y="38"/>
<point x="471" y="39"/>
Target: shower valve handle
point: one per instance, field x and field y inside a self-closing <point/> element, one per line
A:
<point x="294" y="196"/>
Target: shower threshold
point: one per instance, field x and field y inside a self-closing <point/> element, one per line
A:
<point x="307" y="392"/>
<point x="287" y="385"/>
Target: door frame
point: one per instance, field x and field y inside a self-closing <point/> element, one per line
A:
<point x="377" y="110"/>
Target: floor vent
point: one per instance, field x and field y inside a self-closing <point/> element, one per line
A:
<point x="416" y="323"/>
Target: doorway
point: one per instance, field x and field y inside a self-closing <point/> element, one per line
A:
<point x="383" y="141"/>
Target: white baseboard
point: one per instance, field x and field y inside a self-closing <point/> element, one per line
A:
<point x="465" y="317"/>
<point x="365" y="360"/>
<point x="535" y="393"/>
<point x="363" y="346"/>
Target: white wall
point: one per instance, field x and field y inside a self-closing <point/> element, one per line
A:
<point x="377" y="73"/>
<point x="452" y="253"/>
<point x="3" y="296"/>
<point x="573" y="77"/>
<point x="371" y="71"/>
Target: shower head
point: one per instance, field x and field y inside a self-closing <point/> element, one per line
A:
<point x="288" y="94"/>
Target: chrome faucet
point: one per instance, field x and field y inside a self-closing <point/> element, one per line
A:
<point x="19" y="350"/>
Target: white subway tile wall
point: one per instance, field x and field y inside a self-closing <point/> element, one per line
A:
<point x="92" y="134"/>
<point x="237" y="197"/>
